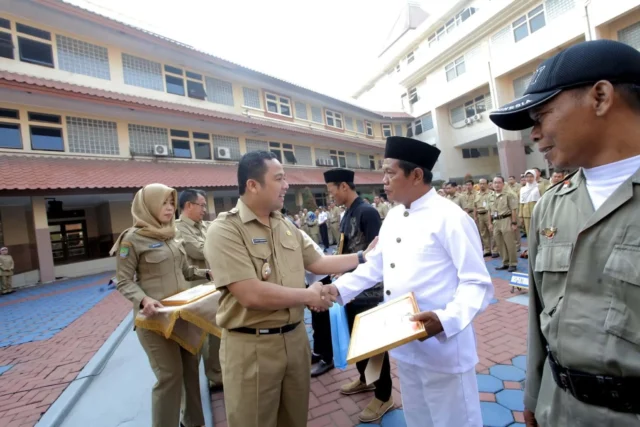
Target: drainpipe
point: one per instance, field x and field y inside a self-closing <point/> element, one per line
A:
<point x="588" y="35"/>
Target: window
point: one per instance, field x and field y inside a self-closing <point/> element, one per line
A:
<point x="418" y="126"/>
<point x="284" y="153"/>
<point x="92" y="136"/>
<point x="474" y="153"/>
<point x="442" y="32"/>
<point x="142" y="139"/>
<point x="221" y="92"/>
<point x="629" y="35"/>
<point x="202" y="145"/>
<point x="410" y="58"/>
<point x="369" y="127"/>
<point x="141" y="72"/>
<point x="10" y="136"/>
<point x="339" y="158"/>
<point x="529" y="23"/>
<point x="195" y="87"/>
<point x="334" y="119"/>
<point x="84" y="58"/>
<point x="413" y="95"/>
<point x="175" y="81"/>
<point x="398" y="68"/>
<point x="301" y="110"/>
<point x="180" y="143"/>
<point x="360" y="126"/>
<point x="316" y="114"/>
<point x="348" y="122"/>
<point x="477" y="105"/>
<point x="427" y="122"/>
<point x="455" y="69"/>
<point x="251" y="97"/>
<point x="457" y="114"/>
<point x="277" y="104"/>
<point x="398" y="129"/>
<point x="409" y="130"/>
<point x="386" y="130"/>
<point x="35" y="45"/>
<point x="6" y="41"/>
<point x="47" y="138"/>
<point x="372" y="162"/>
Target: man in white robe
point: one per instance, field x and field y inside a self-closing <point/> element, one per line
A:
<point x="428" y="246"/>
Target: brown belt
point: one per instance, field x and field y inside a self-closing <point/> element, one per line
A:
<point x="497" y="217"/>
<point x="482" y="213"/>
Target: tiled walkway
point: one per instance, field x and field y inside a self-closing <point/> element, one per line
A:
<point x="48" y="335"/>
<point x="501" y="335"/>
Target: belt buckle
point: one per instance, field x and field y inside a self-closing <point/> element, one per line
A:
<point x="263" y="331"/>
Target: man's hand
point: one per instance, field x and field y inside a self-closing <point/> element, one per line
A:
<point x="430" y="321"/>
<point x="490" y="227"/>
<point x="371" y="246"/>
<point x="530" y="419"/>
<point x="318" y="299"/>
<point x="150" y="306"/>
<point x="330" y="291"/>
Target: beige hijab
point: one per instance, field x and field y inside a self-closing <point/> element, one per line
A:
<point x="146" y="207"/>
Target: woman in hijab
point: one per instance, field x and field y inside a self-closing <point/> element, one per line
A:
<point x="152" y="265"/>
<point x="529" y="195"/>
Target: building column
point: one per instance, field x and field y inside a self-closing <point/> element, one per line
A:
<point x="43" y="239"/>
<point x="299" y="199"/>
<point x="512" y="160"/>
<point x="211" y="206"/>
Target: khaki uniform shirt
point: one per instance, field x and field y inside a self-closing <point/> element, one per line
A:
<point x="334" y="215"/>
<point x="238" y="246"/>
<point x="382" y="209"/>
<point x="455" y="199"/>
<point x="503" y="204"/>
<point x="468" y="201"/>
<point x="543" y="185"/>
<point x="312" y="225"/>
<point x="515" y="189"/>
<point x="584" y="297"/>
<point x="153" y="268"/>
<point x="6" y="265"/>
<point x="483" y="201"/>
<point x="192" y="235"/>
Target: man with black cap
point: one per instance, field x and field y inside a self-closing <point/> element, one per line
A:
<point x="583" y="362"/>
<point x="431" y="247"/>
<point x="359" y="227"/>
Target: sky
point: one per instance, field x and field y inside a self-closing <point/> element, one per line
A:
<point x="330" y="46"/>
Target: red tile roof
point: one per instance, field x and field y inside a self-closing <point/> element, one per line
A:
<point x="16" y="80"/>
<point x="59" y="173"/>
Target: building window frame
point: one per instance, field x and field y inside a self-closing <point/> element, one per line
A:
<point x="46" y="122"/>
<point x="180" y="137"/>
<point x="10" y="119"/>
<point x="28" y="37"/>
<point x="417" y="127"/>
<point x="278" y="102"/>
<point x="339" y="158"/>
<point x="413" y="95"/>
<point x="200" y="139"/>
<point x="372" y="162"/>
<point x="368" y="129"/>
<point x="409" y="129"/>
<point x="532" y="21"/>
<point x="473" y="106"/>
<point x="387" y="130"/>
<point x="475" y="153"/>
<point x="455" y="68"/>
<point x="284" y="151"/>
<point x="191" y="84"/>
<point x="334" y="119"/>
<point x="457" y="20"/>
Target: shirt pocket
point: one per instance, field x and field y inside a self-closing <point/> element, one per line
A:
<point x="156" y="263"/>
<point x="549" y="319"/>
<point x="553" y="258"/>
<point x="622" y="274"/>
<point x="260" y="253"/>
<point x="292" y="252"/>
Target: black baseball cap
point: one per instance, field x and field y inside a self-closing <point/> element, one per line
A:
<point x="579" y="65"/>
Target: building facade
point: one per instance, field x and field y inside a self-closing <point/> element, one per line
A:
<point x="92" y="109"/>
<point x="469" y="57"/>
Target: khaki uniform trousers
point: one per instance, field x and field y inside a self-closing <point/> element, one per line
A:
<point x="488" y="245"/>
<point x="527" y="224"/>
<point x="174" y="368"/>
<point x="267" y="378"/>
<point x="7" y="283"/>
<point x="334" y="231"/>
<point x="211" y="359"/>
<point x="503" y="237"/>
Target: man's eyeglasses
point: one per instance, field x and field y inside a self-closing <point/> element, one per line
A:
<point x="203" y="206"/>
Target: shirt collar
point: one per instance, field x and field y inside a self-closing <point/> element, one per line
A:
<point x="247" y="215"/>
<point x="188" y="220"/>
<point x="423" y="200"/>
<point x="358" y="200"/>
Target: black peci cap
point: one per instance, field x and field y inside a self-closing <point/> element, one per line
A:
<point x="339" y="175"/>
<point x="579" y="65"/>
<point x="411" y="150"/>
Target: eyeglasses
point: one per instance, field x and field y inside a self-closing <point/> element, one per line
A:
<point x="203" y="206"/>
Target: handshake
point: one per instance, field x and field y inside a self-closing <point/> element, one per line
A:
<point x="321" y="297"/>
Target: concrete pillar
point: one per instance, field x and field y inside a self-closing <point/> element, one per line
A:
<point x="512" y="160"/>
<point x="43" y="239"/>
<point x="211" y="206"/>
<point x="299" y="199"/>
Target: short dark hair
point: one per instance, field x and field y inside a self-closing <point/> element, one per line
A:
<point x="252" y="166"/>
<point x="469" y="181"/>
<point x="537" y="169"/>
<point x="351" y="185"/>
<point x="408" y="167"/>
<point x="629" y="92"/>
<point x="451" y="183"/>
<point x="191" y="196"/>
<point x="511" y="176"/>
<point x="501" y="178"/>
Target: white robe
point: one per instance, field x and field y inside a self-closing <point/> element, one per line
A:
<point x="433" y="250"/>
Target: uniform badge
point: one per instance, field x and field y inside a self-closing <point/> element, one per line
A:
<point x="549" y="232"/>
<point x="566" y="184"/>
<point x="256" y="241"/>
<point x="288" y="233"/>
<point x="124" y="252"/>
<point x="155" y="245"/>
<point x="266" y="271"/>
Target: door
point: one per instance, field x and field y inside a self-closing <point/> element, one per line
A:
<point x="68" y="241"/>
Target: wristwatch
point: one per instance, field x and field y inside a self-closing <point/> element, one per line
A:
<point x="361" y="259"/>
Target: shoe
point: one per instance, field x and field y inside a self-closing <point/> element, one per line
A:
<point x="215" y="386"/>
<point x="502" y="267"/>
<point x="315" y="358"/>
<point x="486" y="254"/>
<point x="321" y="368"/>
<point x="375" y="410"/>
<point x="495" y="255"/>
<point x="356" y="387"/>
<point x="511" y="269"/>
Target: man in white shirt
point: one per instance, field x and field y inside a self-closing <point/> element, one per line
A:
<point x="324" y="230"/>
<point x="430" y="247"/>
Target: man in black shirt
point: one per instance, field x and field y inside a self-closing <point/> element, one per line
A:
<point x="359" y="227"/>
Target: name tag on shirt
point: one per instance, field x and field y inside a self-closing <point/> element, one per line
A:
<point x="155" y="245"/>
<point x="484" y="204"/>
<point x="257" y="241"/>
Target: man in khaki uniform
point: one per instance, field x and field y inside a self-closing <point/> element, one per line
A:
<point x="381" y="207"/>
<point x="259" y="259"/>
<point x="556" y="177"/>
<point x="513" y="186"/>
<point x="192" y="229"/>
<point x="584" y="283"/>
<point x="543" y="183"/>
<point x="303" y="221"/>
<point x="451" y="190"/>
<point x="468" y="198"/>
<point x="6" y="271"/>
<point x="504" y="223"/>
<point x="481" y="206"/>
<point x="334" y="223"/>
<point x="313" y="226"/>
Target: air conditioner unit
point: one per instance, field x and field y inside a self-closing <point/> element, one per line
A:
<point x="329" y="162"/>
<point x="468" y="121"/>
<point x="160" y="150"/>
<point x="477" y="117"/>
<point x="223" y="153"/>
<point x="323" y="162"/>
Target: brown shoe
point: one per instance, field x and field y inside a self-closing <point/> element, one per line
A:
<point x="356" y="387"/>
<point x="375" y="410"/>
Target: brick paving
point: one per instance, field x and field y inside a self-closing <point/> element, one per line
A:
<point x="501" y="335"/>
<point x="54" y="330"/>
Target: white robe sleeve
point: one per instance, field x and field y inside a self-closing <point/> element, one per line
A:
<point x="366" y="276"/>
<point x="475" y="290"/>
